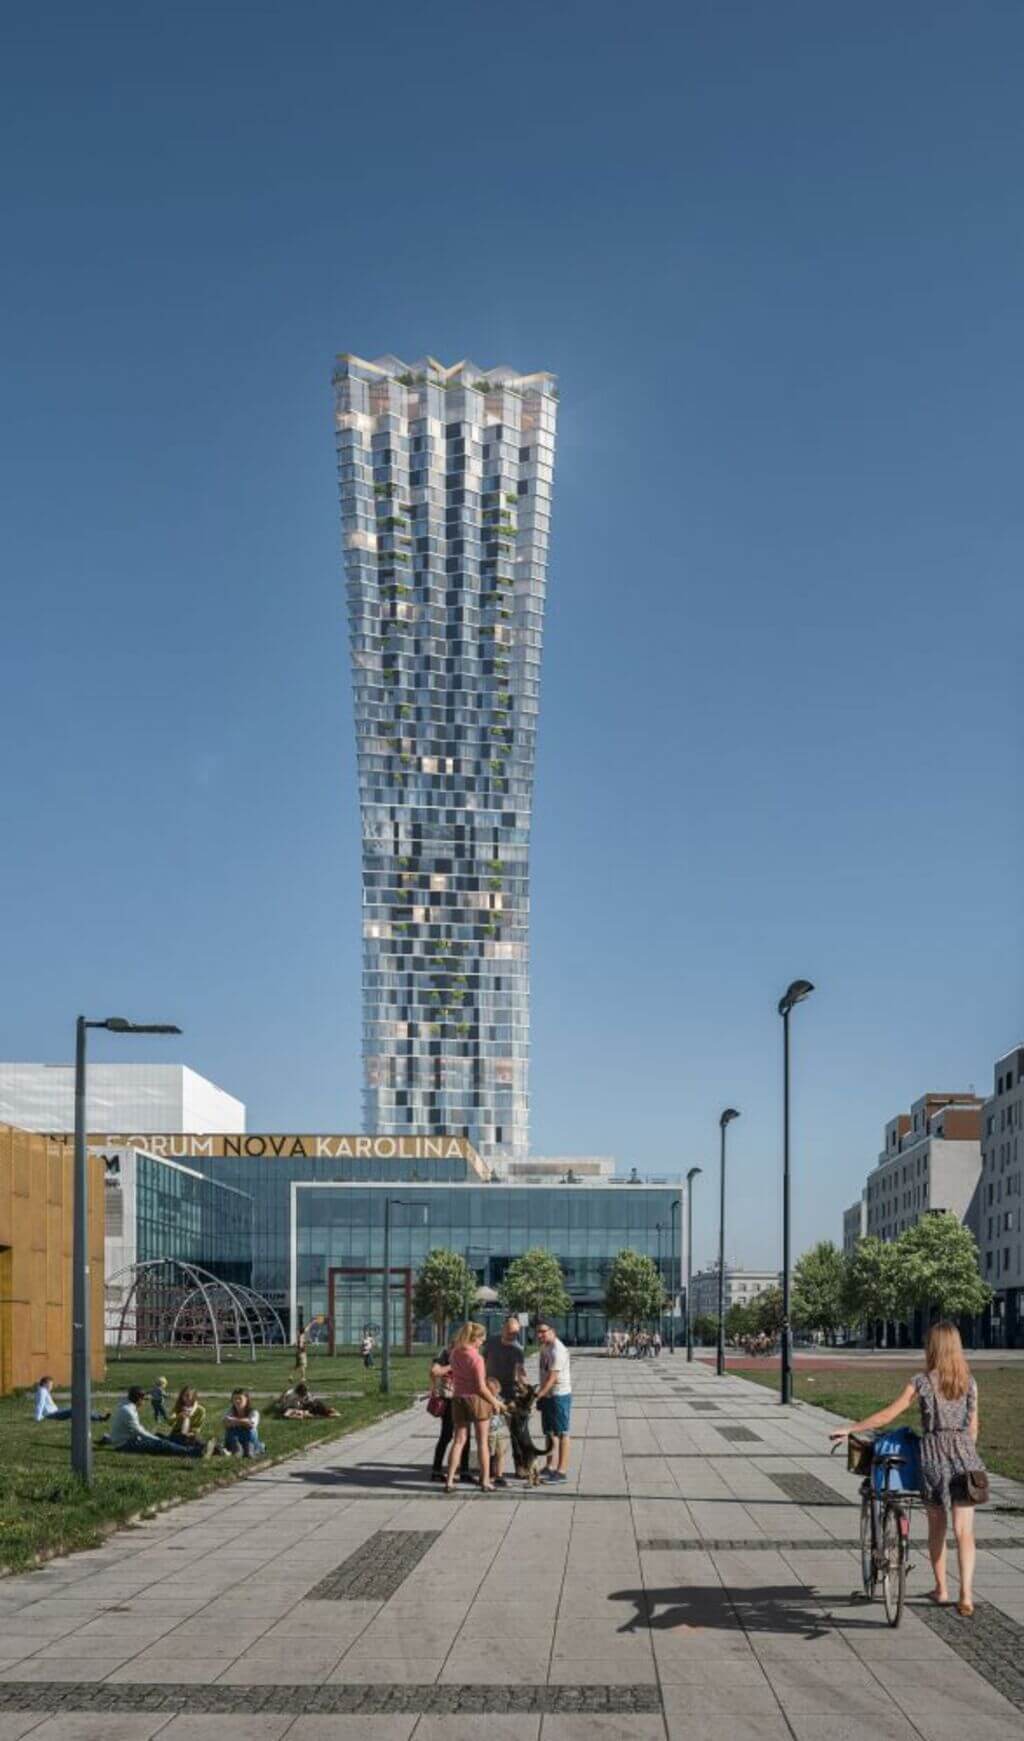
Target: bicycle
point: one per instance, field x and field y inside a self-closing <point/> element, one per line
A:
<point x="884" y="1529"/>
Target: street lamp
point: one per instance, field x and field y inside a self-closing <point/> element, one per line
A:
<point x="385" y="1329"/>
<point x="726" y="1119"/>
<point x="674" y="1295"/>
<point x="795" y="994"/>
<point x="659" y="1227"/>
<point x="81" y="1351"/>
<point x="691" y="1175"/>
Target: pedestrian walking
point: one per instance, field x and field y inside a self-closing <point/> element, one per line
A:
<point x="366" y="1349"/>
<point x="953" y="1476"/>
<point x="554" y="1397"/>
<point x="301" y="1354"/>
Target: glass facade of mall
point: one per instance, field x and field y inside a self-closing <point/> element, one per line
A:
<point x="268" y="1182"/>
<point x="341" y="1228"/>
<point x="158" y="1208"/>
<point x="445" y="477"/>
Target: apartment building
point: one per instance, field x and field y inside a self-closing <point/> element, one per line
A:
<point x="1001" y="1227"/>
<point x="930" y="1161"/>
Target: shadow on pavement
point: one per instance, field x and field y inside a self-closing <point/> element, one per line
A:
<point x="777" y="1609"/>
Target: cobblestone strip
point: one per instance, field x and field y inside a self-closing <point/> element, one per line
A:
<point x="740" y="1544"/>
<point x="807" y="1489"/>
<point x="303" y="1701"/>
<point x="377" y="1569"/>
<point x="740" y="1435"/>
<point x="991" y="1644"/>
<point x="705" y="1408"/>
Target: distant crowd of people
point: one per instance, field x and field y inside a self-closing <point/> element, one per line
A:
<point x="637" y="1345"/>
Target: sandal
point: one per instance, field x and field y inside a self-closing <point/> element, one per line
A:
<point x="966" y="1609"/>
<point x="938" y="1601"/>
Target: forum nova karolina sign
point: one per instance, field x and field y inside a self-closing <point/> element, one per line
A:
<point x="257" y="1146"/>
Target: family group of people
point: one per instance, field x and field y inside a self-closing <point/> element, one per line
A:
<point x="478" y="1380"/>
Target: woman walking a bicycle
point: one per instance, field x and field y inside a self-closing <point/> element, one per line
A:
<point x="950" y="1461"/>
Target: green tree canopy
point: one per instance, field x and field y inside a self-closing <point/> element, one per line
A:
<point x="739" y="1321"/>
<point x="634" y="1292"/>
<point x="766" y="1311"/>
<point x="705" y="1328"/>
<point x="938" y="1263"/>
<point x="443" y="1285"/>
<point x="872" y="1290"/>
<point x="818" y="1289"/>
<point x="534" y="1283"/>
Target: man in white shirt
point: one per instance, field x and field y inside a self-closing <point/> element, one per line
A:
<point x="127" y="1433"/>
<point x="47" y="1410"/>
<point x="554" y="1397"/>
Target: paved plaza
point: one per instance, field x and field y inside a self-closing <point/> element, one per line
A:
<point x="692" y="1580"/>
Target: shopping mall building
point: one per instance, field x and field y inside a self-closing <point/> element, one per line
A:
<point x="300" y="1218"/>
<point x="319" y="1204"/>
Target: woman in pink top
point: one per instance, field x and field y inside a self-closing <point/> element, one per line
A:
<point x="472" y="1403"/>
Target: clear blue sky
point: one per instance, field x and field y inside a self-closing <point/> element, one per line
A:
<point x="775" y="255"/>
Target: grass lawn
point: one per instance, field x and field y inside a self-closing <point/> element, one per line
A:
<point x="43" y="1507"/>
<point x="858" y="1393"/>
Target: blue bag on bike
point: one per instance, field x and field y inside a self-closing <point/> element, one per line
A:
<point x="906" y="1476"/>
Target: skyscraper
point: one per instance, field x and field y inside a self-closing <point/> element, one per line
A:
<point x="445" y="477"/>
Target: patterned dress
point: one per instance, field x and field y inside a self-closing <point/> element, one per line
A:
<point x="947" y="1449"/>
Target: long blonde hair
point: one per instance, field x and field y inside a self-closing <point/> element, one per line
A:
<point x="944" y="1358"/>
<point x="469" y="1335"/>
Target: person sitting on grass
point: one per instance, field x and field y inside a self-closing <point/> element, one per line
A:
<point x="188" y="1418"/>
<point x="299" y="1404"/>
<point x="127" y="1433"/>
<point x="47" y="1410"/>
<point x="241" y="1427"/>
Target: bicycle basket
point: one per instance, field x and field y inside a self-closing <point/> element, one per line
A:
<point x="858" y="1456"/>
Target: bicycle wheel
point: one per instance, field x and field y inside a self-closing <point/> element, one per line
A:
<point x="894" y="1565"/>
<point x="868" y="1569"/>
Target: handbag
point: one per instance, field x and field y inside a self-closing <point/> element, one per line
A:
<point x="976" y="1482"/>
<point x="436" y="1404"/>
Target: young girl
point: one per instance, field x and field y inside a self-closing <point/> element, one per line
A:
<point x="948" y="1397"/>
<point x="187" y="1418"/>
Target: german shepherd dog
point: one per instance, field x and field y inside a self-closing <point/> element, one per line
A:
<point x="526" y="1456"/>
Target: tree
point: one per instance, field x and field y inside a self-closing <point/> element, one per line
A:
<point x="739" y="1322"/>
<point x="872" y="1283"/>
<point x="443" y="1286"/>
<point x="705" y="1328"/>
<point x="534" y="1283"/>
<point x="818" y="1289"/>
<point x="766" y="1312"/>
<point x="938" y="1263"/>
<point x="634" y="1291"/>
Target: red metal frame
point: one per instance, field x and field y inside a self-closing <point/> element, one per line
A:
<point x="402" y="1270"/>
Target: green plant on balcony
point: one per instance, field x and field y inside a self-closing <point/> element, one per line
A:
<point x="494" y="883"/>
<point x="462" y="1029"/>
<point x="511" y="499"/>
<point x="405" y="710"/>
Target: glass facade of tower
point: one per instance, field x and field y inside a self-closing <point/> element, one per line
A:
<point x="445" y="477"/>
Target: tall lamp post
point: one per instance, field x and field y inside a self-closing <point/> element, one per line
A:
<point x="794" y="994"/>
<point x="675" y="1296"/>
<point x="385" y="1327"/>
<point x="659" y="1228"/>
<point x="691" y="1175"/>
<point x="726" y="1119"/>
<point x="81" y="1350"/>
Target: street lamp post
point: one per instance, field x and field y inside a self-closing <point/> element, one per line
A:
<point x="726" y="1119"/>
<point x="385" y="1328"/>
<point x="691" y="1175"/>
<point x="794" y="994"/>
<point x="659" y="1228"/>
<point x="81" y="1280"/>
<point x="674" y="1294"/>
